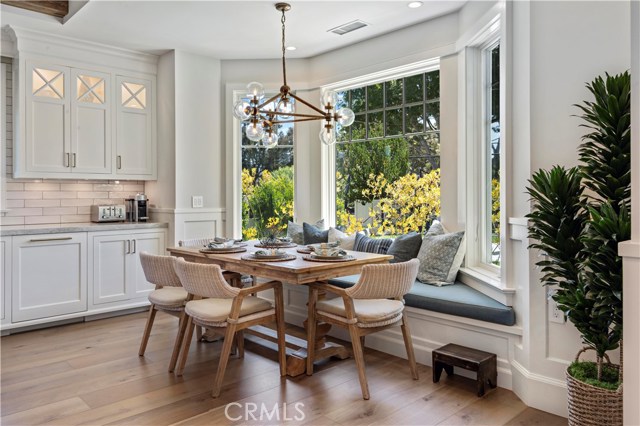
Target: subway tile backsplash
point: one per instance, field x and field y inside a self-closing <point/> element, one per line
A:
<point x="46" y="201"/>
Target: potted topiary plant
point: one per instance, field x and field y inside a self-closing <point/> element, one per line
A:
<point x="579" y="216"/>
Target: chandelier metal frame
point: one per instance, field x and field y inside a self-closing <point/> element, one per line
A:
<point x="263" y="118"/>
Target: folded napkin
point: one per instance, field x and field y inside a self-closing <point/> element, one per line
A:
<point x="268" y="253"/>
<point x="327" y="249"/>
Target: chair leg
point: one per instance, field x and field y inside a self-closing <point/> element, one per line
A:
<point x="224" y="358"/>
<point x="178" y="343"/>
<point x="240" y="343"/>
<point x="147" y="329"/>
<point x="311" y="329"/>
<point x="186" y="343"/>
<point x="198" y="334"/>
<point x="406" y="333"/>
<point x="282" y="346"/>
<point x="359" y="357"/>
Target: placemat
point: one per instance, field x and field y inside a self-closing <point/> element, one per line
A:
<point x="252" y="258"/>
<point x="311" y="258"/>
<point x="223" y="250"/>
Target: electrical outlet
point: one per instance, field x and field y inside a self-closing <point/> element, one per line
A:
<point x="555" y="314"/>
<point x="197" y="201"/>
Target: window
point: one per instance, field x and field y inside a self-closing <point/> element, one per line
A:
<point x="390" y="156"/>
<point x="485" y="159"/>
<point x="133" y="95"/>
<point x="267" y="183"/>
<point x="491" y="225"/>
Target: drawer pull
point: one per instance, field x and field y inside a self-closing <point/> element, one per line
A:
<point x="66" y="160"/>
<point x="74" y="159"/>
<point x="39" y="240"/>
<point x="119" y="162"/>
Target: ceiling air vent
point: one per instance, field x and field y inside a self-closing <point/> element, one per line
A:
<point x="348" y="27"/>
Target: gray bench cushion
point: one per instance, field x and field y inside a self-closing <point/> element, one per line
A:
<point x="456" y="299"/>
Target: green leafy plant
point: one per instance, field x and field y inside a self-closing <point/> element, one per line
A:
<point x="580" y="215"/>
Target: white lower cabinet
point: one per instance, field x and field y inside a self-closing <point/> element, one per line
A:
<point x="116" y="272"/>
<point x="49" y="275"/>
<point x="56" y="277"/>
<point x="5" y="280"/>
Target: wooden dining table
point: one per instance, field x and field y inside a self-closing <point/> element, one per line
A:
<point x="298" y="271"/>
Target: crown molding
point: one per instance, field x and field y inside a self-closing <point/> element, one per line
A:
<point x="31" y="42"/>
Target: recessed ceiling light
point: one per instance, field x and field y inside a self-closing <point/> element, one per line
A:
<point x="291" y="48"/>
<point x="415" y="4"/>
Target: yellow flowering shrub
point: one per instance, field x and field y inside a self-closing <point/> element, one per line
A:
<point x="406" y="205"/>
<point x="349" y="221"/>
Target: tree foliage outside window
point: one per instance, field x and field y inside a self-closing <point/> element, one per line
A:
<point x="395" y="137"/>
<point x="267" y="184"/>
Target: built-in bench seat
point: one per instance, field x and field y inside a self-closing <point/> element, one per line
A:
<point x="456" y="299"/>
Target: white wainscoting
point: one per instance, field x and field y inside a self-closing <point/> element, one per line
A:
<point x="429" y="331"/>
<point x="191" y="223"/>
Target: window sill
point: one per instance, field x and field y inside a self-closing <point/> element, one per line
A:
<point x="487" y="283"/>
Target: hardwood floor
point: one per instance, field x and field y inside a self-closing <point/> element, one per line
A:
<point x="90" y="373"/>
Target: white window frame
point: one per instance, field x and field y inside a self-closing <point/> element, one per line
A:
<point x="233" y="215"/>
<point x="475" y="134"/>
<point x="328" y="164"/>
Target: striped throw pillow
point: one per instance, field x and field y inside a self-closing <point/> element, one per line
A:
<point x="372" y="245"/>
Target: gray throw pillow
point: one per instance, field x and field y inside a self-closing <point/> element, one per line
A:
<point x="372" y="245"/>
<point x="436" y="228"/>
<point x="313" y="234"/>
<point x="440" y="256"/>
<point x="295" y="231"/>
<point x="405" y="247"/>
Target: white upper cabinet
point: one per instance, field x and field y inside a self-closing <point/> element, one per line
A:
<point x="47" y="119"/>
<point x="68" y="121"/>
<point x="83" y="111"/>
<point x="135" y="148"/>
<point x="91" y="122"/>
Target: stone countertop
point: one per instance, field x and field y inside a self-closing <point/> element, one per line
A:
<point x="11" y="230"/>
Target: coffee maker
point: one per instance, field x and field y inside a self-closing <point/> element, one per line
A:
<point x="137" y="208"/>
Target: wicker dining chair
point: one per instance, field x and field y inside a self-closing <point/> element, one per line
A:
<point x="373" y="304"/>
<point x="169" y="296"/>
<point x="233" y="278"/>
<point x="213" y="303"/>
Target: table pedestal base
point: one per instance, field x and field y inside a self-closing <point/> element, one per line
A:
<point x="296" y="348"/>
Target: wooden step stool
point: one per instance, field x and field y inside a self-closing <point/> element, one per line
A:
<point x="452" y="355"/>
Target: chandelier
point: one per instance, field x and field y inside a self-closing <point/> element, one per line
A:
<point x="262" y="116"/>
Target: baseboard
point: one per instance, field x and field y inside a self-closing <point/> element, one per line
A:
<point x="538" y="391"/>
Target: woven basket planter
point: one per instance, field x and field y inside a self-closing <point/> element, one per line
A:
<point x="593" y="406"/>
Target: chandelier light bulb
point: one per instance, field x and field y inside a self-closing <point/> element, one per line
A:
<point x="329" y="97"/>
<point x="346" y="117"/>
<point x="254" y="132"/>
<point x="269" y="140"/>
<point x="284" y="109"/>
<point x="241" y="110"/>
<point x="327" y="136"/>
<point x="255" y="89"/>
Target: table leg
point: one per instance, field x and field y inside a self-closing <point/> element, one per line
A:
<point x="323" y="349"/>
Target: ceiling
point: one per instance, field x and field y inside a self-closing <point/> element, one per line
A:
<point x="229" y="29"/>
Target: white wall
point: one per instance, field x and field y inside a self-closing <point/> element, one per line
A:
<point x="199" y="150"/>
<point x="630" y="250"/>
<point x="162" y="193"/>
<point x="557" y="47"/>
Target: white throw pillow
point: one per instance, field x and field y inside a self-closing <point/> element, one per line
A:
<point x="346" y="241"/>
